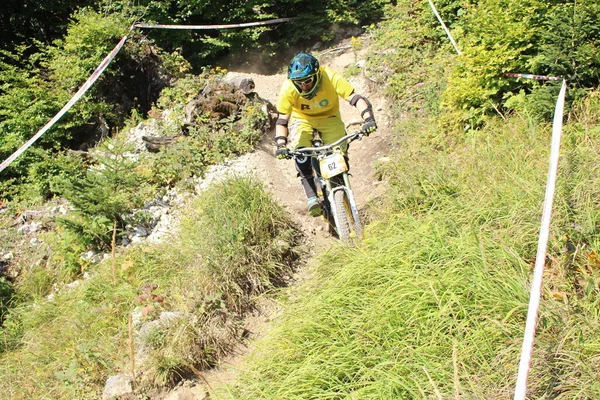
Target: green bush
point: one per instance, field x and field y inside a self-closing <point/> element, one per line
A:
<point x="36" y="86"/>
<point x="555" y="39"/>
<point x="109" y="189"/>
<point x="175" y="163"/>
<point x="247" y="250"/>
<point x="412" y="70"/>
<point x="53" y="169"/>
<point x="6" y="294"/>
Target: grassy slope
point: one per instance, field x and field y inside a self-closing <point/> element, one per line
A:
<point x="433" y="303"/>
<point x="235" y="245"/>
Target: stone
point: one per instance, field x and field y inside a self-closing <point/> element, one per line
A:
<point x="30" y="228"/>
<point x="117" y="385"/>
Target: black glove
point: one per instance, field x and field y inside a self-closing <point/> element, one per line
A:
<point x="282" y="152"/>
<point x="369" y="126"/>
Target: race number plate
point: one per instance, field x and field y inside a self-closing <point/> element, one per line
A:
<point x="332" y="165"/>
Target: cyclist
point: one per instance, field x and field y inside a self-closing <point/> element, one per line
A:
<point x="309" y="100"/>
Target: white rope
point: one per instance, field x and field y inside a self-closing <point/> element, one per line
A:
<point x="197" y="27"/>
<point x="536" y="285"/>
<point x="445" y="28"/>
<point x="95" y="75"/>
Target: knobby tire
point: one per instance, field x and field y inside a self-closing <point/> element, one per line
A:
<point x="348" y="228"/>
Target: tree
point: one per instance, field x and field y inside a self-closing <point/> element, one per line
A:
<point x="108" y="191"/>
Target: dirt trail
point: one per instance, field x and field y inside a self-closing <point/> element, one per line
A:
<point x="279" y="177"/>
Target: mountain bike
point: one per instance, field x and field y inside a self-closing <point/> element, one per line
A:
<point x="330" y="167"/>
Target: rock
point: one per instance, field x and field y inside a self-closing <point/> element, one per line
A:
<point x="92" y="257"/>
<point x="167" y="318"/>
<point x="72" y="285"/>
<point x="244" y="83"/>
<point x="61" y="209"/>
<point x="135" y="135"/>
<point x="27" y="216"/>
<point x="346" y="32"/>
<point x="117" y="385"/>
<point x="136" y="316"/>
<point x="154" y="143"/>
<point x="141" y="231"/>
<point x="30" y="228"/>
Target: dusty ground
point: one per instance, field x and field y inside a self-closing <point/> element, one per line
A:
<point x="280" y="179"/>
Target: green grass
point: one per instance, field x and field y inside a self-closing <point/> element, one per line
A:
<point x="433" y="304"/>
<point x="235" y="245"/>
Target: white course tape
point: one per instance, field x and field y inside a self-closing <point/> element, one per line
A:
<point x="536" y="285"/>
<point x="197" y="27"/>
<point x="536" y="77"/>
<point x="67" y="106"/>
<point x="445" y="28"/>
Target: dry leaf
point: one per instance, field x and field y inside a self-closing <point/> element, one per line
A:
<point x="126" y="265"/>
<point x="147" y="310"/>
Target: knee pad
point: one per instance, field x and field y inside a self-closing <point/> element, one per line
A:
<point x="304" y="167"/>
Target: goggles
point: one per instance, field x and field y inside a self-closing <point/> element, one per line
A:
<point x="304" y="82"/>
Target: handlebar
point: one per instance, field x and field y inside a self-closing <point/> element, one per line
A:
<point x="306" y="151"/>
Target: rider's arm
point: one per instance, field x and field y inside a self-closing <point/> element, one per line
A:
<point x="281" y="129"/>
<point x="365" y="107"/>
<point x="362" y="104"/>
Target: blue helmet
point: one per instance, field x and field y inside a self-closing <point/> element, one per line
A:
<point x="303" y="66"/>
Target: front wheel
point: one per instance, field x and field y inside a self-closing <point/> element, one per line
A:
<point x="347" y="223"/>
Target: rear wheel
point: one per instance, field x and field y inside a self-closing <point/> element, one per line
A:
<point x="348" y="227"/>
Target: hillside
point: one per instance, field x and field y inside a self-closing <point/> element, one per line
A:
<point x="277" y="176"/>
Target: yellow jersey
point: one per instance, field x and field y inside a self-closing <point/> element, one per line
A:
<point x="326" y="102"/>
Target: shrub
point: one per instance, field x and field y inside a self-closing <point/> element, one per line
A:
<point x="556" y="39"/>
<point x="411" y="71"/>
<point x="107" y="191"/>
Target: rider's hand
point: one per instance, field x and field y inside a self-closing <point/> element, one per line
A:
<point x="369" y="126"/>
<point x="282" y="152"/>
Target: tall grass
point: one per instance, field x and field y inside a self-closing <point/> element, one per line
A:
<point x="433" y="304"/>
<point x="235" y="245"/>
